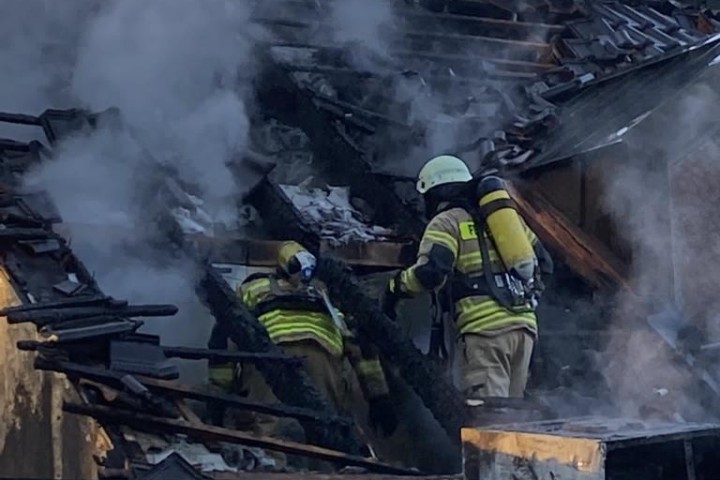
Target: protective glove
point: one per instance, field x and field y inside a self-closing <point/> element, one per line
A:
<point x="390" y="298"/>
<point x="383" y="416"/>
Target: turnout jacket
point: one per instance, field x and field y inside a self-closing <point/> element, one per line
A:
<point x="450" y="257"/>
<point x="294" y="313"/>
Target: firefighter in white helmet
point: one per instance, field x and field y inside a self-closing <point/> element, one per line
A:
<point x="490" y="282"/>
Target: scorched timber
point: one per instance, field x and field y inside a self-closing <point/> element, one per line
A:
<point x="425" y="377"/>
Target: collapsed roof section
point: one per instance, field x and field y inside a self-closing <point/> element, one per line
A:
<point x="508" y="85"/>
<point x="483" y="79"/>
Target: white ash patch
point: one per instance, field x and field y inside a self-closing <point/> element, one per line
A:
<point x="329" y="210"/>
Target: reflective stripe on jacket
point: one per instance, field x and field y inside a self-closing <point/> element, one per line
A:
<point x="291" y="313"/>
<point x="450" y="247"/>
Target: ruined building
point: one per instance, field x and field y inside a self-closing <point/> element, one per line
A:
<point x="598" y="112"/>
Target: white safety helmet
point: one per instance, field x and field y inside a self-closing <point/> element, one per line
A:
<point x="441" y="170"/>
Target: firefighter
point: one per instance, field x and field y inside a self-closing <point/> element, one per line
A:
<point x="297" y="313"/>
<point x="491" y="281"/>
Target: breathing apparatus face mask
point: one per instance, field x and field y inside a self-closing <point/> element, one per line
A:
<point x="302" y="266"/>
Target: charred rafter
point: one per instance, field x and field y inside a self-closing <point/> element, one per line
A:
<point x="425" y="377"/>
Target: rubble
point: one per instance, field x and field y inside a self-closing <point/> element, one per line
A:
<point x="330" y="212"/>
<point x="509" y="81"/>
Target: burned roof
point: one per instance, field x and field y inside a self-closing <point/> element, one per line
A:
<point x="498" y="84"/>
<point x="478" y="79"/>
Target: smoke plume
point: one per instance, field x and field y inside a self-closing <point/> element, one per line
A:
<point x="178" y="71"/>
<point x="662" y="201"/>
<point x="425" y="91"/>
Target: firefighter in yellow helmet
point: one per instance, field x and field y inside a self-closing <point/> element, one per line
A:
<point x="491" y="282"/>
<point x="295" y="309"/>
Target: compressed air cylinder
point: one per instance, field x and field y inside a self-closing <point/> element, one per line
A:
<point x="506" y="228"/>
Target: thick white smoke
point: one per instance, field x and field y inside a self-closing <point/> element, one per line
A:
<point x="172" y="68"/>
<point x="178" y="71"/>
<point x="380" y="36"/>
<point x="38" y="40"/>
<point x="362" y="26"/>
<point x="661" y="199"/>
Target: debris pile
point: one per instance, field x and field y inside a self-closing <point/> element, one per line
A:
<point x="501" y="85"/>
<point x="330" y="212"/>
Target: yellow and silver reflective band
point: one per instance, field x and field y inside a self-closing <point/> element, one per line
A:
<point x="252" y="290"/>
<point x="409" y="282"/>
<point x="393" y="285"/>
<point x="442" y="238"/>
<point x="373" y="377"/>
<point x="473" y="260"/>
<point x="371" y="367"/>
<point x="222" y="375"/>
<point x="283" y="324"/>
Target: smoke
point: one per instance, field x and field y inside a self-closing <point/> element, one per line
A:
<point x="662" y="200"/>
<point x="172" y="68"/>
<point x="179" y="72"/>
<point x="38" y="40"/>
<point x="445" y="115"/>
<point x="362" y="27"/>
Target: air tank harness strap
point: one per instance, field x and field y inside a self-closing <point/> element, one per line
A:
<point x="464" y="286"/>
<point x="500" y="294"/>
<point x="295" y="303"/>
<point x="488" y="209"/>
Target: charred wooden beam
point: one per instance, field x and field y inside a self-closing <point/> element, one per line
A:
<point x="443" y="41"/>
<point x="148" y="423"/>
<point x="427" y="378"/>
<point x="59" y="315"/>
<point x="472" y="62"/>
<point x="19" y="119"/>
<point x="234" y="401"/>
<point x="101" y="329"/>
<point x="421" y="20"/>
<point x="188" y="353"/>
<point x="585" y="255"/>
<point x="125" y="385"/>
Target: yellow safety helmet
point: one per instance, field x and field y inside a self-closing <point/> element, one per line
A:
<point x="296" y="260"/>
<point x="442" y="170"/>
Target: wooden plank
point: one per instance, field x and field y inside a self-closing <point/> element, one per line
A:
<point x="387" y="254"/>
<point x="484" y="21"/>
<point x="201" y="394"/>
<point x="586" y="256"/>
<point x="151" y="424"/>
<point x="511" y="65"/>
<point x="263" y="253"/>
